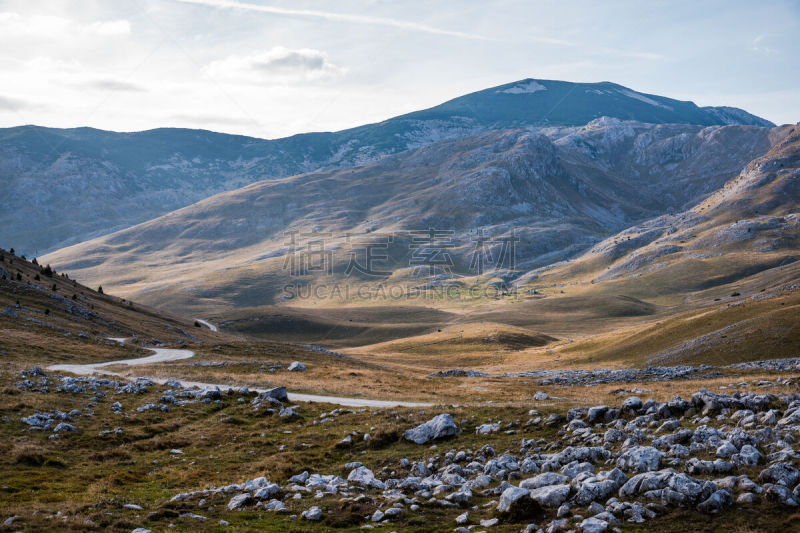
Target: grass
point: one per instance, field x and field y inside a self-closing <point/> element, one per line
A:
<point x="89" y="478"/>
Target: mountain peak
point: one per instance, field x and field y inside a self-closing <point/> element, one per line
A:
<point x="541" y="102"/>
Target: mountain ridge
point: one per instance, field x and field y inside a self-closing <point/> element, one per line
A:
<point x="561" y="193"/>
<point x="59" y="182"/>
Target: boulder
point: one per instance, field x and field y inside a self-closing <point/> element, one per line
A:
<point x="717" y="502"/>
<point x="632" y="404"/>
<point x="640" y="459"/>
<point x="511" y="498"/>
<point x="239" y="501"/>
<point x="593" y="525"/>
<point x="543" y="480"/>
<point x="438" y="427"/>
<point x="363" y="476"/>
<point x="314" y="514"/>
<point x="782" y="495"/>
<point x="550" y="496"/>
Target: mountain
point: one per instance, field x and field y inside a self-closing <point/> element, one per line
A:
<point x="45" y="315"/>
<point x="750" y="225"/>
<point x="560" y="190"/>
<point x="63" y="186"/>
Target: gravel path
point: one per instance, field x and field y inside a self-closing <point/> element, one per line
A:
<point x="163" y="355"/>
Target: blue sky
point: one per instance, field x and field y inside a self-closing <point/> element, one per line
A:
<point x="274" y="68"/>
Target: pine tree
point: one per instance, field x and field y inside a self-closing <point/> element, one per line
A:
<point x="100" y="289"/>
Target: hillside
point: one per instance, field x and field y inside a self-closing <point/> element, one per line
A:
<point x="750" y="224"/>
<point x="64" y="186"/>
<point x="45" y="315"/>
<point x="559" y="193"/>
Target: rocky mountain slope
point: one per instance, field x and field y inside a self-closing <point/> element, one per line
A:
<point x="559" y="190"/>
<point x="66" y="186"/>
<point x="750" y="224"/>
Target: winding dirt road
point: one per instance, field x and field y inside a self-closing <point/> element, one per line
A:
<point x="162" y="355"/>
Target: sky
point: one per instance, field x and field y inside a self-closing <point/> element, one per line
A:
<point x="271" y="68"/>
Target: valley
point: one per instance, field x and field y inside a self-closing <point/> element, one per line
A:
<point x="494" y="314"/>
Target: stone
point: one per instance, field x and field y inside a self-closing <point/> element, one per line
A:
<point x="393" y="512"/>
<point x="299" y="478"/>
<point x="747" y="456"/>
<point x="632" y="404"/>
<point x="239" y="501"/>
<point x="716" y="502"/>
<point x="593" y="525"/>
<point x="463" y="518"/>
<point x="646" y="482"/>
<point x="486" y="429"/>
<point x="510" y="497"/>
<point x="780" y="473"/>
<point x="726" y="449"/>
<point x="277" y="393"/>
<point x="267" y="491"/>
<point x="274" y="505"/>
<point x="596" y="414"/>
<point x="640" y="459"/>
<point x="363" y="476"/>
<point x="438" y="427"/>
<point x="543" y="480"/>
<point x="591" y="491"/>
<point x="747" y="498"/>
<point x="314" y="514"/>
<point x="63" y="427"/>
<point x="557" y="526"/>
<point x="685" y="491"/>
<point x="297" y="366"/>
<point x="782" y="495"/>
<point x="550" y="496"/>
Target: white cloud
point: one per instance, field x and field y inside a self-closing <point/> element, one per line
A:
<point x="761" y="47"/>
<point x="9" y="103"/>
<point x="278" y="65"/>
<point x="340" y="17"/>
<point x="109" y="27"/>
<point x="113" y="85"/>
<point x="48" y="27"/>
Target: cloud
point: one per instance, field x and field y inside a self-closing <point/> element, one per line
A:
<point x="339" y="17"/>
<point x="109" y="27"/>
<point x="204" y="120"/>
<point x="761" y="47"/>
<point x="278" y="65"/>
<point x="115" y="86"/>
<point x="48" y="27"/>
<point x="8" y="103"/>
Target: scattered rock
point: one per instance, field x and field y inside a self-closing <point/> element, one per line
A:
<point x="438" y="427"/>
